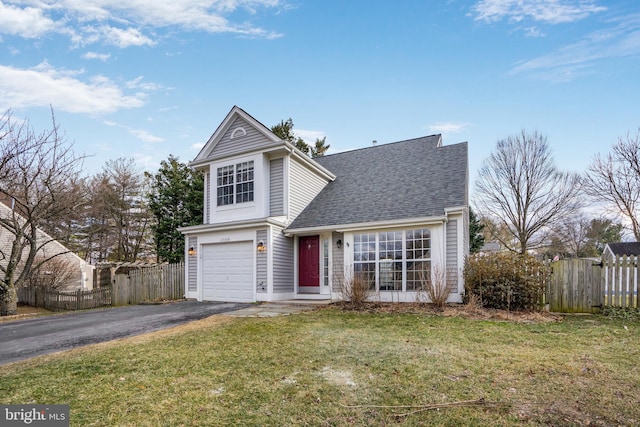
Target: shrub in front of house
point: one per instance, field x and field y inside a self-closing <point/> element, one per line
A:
<point x="506" y="281"/>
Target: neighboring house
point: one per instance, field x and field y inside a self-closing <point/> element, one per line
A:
<point x="490" y="247"/>
<point x="279" y="225"/>
<point x="81" y="273"/>
<point x="612" y="250"/>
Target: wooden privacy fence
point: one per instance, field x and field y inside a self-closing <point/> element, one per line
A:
<point x="586" y="286"/>
<point x="148" y="284"/>
<point x="58" y="300"/>
<point x="158" y="283"/>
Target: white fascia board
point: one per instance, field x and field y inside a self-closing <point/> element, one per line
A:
<point x="378" y="225"/>
<point x="235" y="225"/>
<point x="206" y="162"/>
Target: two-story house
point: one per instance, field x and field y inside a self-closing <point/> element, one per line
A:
<point x="278" y="225"/>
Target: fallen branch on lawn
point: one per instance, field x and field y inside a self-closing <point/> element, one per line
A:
<point x="430" y="407"/>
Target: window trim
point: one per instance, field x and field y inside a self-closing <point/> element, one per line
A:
<point x="235" y="183"/>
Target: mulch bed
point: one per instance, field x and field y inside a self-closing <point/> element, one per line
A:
<point x="466" y="311"/>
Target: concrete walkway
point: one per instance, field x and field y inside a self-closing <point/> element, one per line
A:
<point x="280" y="308"/>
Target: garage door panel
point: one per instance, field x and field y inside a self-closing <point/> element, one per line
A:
<point x="227" y="272"/>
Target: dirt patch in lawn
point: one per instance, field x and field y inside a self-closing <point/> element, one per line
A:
<point x="466" y="311"/>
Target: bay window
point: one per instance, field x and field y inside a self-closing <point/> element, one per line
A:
<point x="393" y="260"/>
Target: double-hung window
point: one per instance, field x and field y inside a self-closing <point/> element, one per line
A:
<point x="235" y="184"/>
<point x="364" y="264"/>
<point x="390" y="260"/>
<point x="418" y="254"/>
<point x="244" y="182"/>
<point x="225" y="185"/>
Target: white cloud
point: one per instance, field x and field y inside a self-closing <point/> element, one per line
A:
<point x="27" y="22"/>
<point x="145" y="161"/>
<point x="620" y="39"/>
<point x="309" y="136"/>
<point x="125" y="38"/>
<point x="142" y="134"/>
<point x="448" y="127"/>
<point x="548" y="11"/>
<point x="145" y="136"/>
<point x="130" y="23"/>
<point x="137" y="83"/>
<point x="99" y="56"/>
<point x="44" y="85"/>
<point x="533" y="32"/>
<point x="198" y="146"/>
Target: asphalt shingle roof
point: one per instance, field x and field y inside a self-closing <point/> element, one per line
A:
<point x="625" y="248"/>
<point x="402" y="180"/>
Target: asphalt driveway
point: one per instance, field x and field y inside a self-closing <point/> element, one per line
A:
<point x="23" y="339"/>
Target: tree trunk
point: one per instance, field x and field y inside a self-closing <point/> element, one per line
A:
<point x="9" y="302"/>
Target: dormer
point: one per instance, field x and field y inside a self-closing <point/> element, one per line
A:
<point x="250" y="173"/>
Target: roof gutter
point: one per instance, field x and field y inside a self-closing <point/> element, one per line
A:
<point x="235" y="225"/>
<point x="364" y="226"/>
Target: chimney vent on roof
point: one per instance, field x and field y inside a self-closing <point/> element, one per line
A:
<point x="374" y="142"/>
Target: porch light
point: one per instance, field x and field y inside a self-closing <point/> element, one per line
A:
<point x="339" y="243"/>
<point x="191" y="251"/>
<point x="261" y="246"/>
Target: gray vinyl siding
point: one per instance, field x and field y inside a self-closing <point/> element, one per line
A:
<point x="282" y="262"/>
<point x="261" y="263"/>
<point x="207" y="198"/>
<point x="452" y="255"/>
<point x="192" y="266"/>
<point x="304" y="186"/>
<point x="227" y="146"/>
<point x="338" y="261"/>
<point x="276" y="190"/>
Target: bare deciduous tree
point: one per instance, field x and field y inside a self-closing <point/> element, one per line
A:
<point x="581" y="236"/>
<point x="127" y="210"/>
<point x="52" y="273"/>
<point x="520" y="189"/>
<point x="573" y="233"/>
<point x="35" y="175"/>
<point x="615" y="179"/>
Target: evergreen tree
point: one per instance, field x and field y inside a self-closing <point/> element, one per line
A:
<point x="176" y="201"/>
<point x="320" y="147"/>
<point x="476" y="238"/>
<point x="284" y="130"/>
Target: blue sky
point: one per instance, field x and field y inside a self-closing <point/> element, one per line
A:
<point x="144" y="79"/>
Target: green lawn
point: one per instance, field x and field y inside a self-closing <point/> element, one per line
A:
<point x="332" y="367"/>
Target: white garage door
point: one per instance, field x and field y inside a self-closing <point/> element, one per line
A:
<point x="227" y="272"/>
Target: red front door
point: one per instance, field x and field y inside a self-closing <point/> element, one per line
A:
<point x="309" y="261"/>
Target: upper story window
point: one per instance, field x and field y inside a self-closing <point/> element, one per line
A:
<point x="235" y="180"/>
<point x="244" y="182"/>
<point x="225" y="185"/>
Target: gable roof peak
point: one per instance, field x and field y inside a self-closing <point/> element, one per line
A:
<point x="235" y="113"/>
